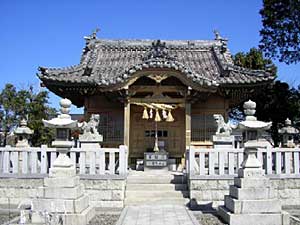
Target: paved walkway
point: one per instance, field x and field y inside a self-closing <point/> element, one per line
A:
<point x="156" y="215"/>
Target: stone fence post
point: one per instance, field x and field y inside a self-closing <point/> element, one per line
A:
<point x="122" y="160"/>
<point x="191" y="161"/>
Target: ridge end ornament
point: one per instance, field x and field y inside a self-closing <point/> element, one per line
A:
<point x="158" y="51"/>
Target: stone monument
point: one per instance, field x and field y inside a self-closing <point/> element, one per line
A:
<point x="288" y="133"/>
<point x="90" y="139"/>
<point x="223" y="138"/>
<point x="23" y="133"/>
<point x="62" y="193"/>
<point x="251" y="199"/>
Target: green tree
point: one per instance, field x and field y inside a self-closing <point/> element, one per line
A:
<point x="276" y="101"/>
<point x="255" y="60"/>
<point x="37" y="108"/>
<point x="26" y="103"/>
<point x="280" y="35"/>
<point x="8" y="107"/>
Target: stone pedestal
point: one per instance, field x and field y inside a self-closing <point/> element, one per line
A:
<point x="90" y="143"/>
<point x="223" y="141"/>
<point x="62" y="194"/>
<point x="89" y="147"/>
<point x="220" y="142"/>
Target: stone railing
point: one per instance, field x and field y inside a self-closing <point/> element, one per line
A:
<point x="224" y="163"/>
<point x="35" y="162"/>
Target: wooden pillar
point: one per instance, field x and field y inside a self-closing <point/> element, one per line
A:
<point x="126" y="123"/>
<point x="187" y="124"/>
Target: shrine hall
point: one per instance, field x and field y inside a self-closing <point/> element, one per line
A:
<point x="155" y="94"/>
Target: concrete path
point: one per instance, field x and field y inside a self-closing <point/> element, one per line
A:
<point x="156" y="215"/>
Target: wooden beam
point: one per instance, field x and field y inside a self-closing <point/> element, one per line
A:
<point x="145" y="88"/>
<point x="126" y="124"/>
<point x="188" y="124"/>
<point x="165" y="100"/>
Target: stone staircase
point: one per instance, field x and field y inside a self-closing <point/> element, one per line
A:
<point x="152" y="187"/>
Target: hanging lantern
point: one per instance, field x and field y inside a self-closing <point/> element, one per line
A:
<point x="170" y="118"/>
<point x="151" y="114"/>
<point x="164" y="114"/>
<point x="157" y="116"/>
<point x="145" y="114"/>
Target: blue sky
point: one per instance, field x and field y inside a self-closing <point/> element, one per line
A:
<point x="50" y="33"/>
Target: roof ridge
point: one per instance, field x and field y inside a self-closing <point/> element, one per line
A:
<point x="148" y="42"/>
<point x="246" y="70"/>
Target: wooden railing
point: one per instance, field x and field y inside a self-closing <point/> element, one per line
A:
<point x="224" y="163"/>
<point x="34" y="161"/>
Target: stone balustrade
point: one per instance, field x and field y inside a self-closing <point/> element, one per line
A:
<point x="211" y="172"/>
<point x="224" y="163"/>
<point x="35" y="161"/>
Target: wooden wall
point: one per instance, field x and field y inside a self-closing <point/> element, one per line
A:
<point x="202" y="112"/>
<point x="139" y="140"/>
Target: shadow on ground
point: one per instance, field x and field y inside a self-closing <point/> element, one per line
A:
<point x="206" y="214"/>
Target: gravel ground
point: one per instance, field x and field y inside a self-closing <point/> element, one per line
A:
<point x="104" y="219"/>
<point x="4" y="218"/>
<point x="208" y="219"/>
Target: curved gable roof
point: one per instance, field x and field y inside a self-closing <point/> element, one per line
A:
<point x="108" y="63"/>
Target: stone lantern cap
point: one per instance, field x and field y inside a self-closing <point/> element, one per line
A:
<point x="288" y="129"/>
<point x="251" y="122"/>
<point x="64" y="119"/>
<point x="23" y="129"/>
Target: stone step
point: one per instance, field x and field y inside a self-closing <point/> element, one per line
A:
<point x="252" y="206"/>
<point x="156" y="201"/>
<point x="251" y="182"/>
<point x="151" y="187"/>
<point x="251" y="193"/>
<point x="250" y="218"/>
<point x="156" y="180"/>
<point x="155" y="194"/>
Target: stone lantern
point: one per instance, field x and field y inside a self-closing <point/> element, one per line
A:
<point x="63" y="125"/>
<point x="251" y="199"/>
<point x="252" y="131"/>
<point x="23" y="133"/>
<point x="288" y="133"/>
<point x="62" y="193"/>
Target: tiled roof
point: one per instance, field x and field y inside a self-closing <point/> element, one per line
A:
<point x="110" y="62"/>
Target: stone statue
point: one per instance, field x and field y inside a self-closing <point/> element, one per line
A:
<point x="91" y="126"/>
<point x="90" y="129"/>
<point x="222" y="127"/>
